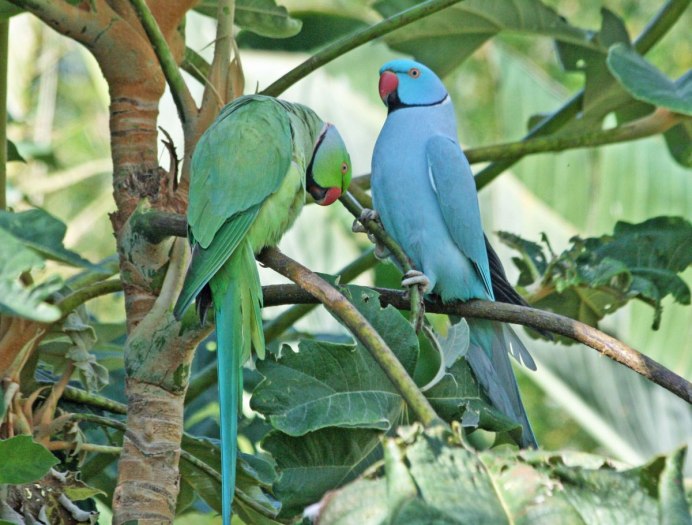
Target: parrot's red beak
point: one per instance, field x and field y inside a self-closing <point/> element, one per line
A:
<point x="330" y="196"/>
<point x="388" y="85"/>
<point x="324" y="196"/>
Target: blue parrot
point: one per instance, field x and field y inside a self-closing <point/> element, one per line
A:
<point x="425" y="195"/>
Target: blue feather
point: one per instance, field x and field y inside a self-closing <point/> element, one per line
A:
<point x="425" y="194"/>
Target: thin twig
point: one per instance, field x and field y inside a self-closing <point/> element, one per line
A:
<point x="350" y="42"/>
<point x="82" y="295"/>
<point x="342" y="309"/>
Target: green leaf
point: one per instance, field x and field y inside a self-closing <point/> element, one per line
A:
<point x="24" y="460"/>
<point x="679" y="142"/>
<point x="8" y="9"/>
<point x="318" y="29"/>
<point x="15" y="298"/>
<point x="596" y="276"/>
<point x="602" y="93"/>
<point x="532" y="264"/>
<point x="263" y="17"/>
<point x="326" y="384"/>
<point x="12" y="151"/>
<point x="644" y="82"/>
<point x="453" y="485"/>
<point x="43" y="233"/>
<point x="254" y="475"/>
<point x="77" y="490"/>
<point x="312" y="464"/>
<point x="673" y="505"/>
<point x="443" y="40"/>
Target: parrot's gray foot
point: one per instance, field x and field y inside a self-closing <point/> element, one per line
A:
<point x="368" y="215"/>
<point x="381" y="251"/>
<point x="416" y="278"/>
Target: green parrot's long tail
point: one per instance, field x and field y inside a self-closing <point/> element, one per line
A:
<point x="488" y="356"/>
<point x="237" y="295"/>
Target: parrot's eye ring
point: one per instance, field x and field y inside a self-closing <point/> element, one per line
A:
<point x="344" y="168"/>
<point x="414" y="72"/>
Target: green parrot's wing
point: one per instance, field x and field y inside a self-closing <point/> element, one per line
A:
<point x="227" y="178"/>
<point x="206" y="262"/>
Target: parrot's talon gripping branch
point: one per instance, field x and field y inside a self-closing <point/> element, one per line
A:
<point x="369" y="215"/>
<point x="416" y="278"/>
<point x="385" y="246"/>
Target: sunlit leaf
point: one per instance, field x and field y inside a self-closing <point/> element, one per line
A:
<point x="43" y="233"/>
<point x="453" y="485"/>
<point x="596" y="276"/>
<point x="17" y="299"/>
<point x="644" y="82"/>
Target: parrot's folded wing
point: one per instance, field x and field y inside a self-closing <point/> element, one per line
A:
<point x="206" y="262"/>
<point x="450" y="174"/>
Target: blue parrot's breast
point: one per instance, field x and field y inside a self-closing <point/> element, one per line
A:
<point x="405" y="196"/>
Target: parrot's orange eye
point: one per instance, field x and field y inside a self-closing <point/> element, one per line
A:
<point x="414" y="72"/>
<point x="344" y="168"/>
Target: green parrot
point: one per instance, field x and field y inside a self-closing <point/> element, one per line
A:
<point x="250" y="172"/>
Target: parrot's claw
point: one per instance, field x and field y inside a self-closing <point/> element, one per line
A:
<point x="368" y="215"/>
<point x="357" y="227"/>
<point x="416" y="278"/>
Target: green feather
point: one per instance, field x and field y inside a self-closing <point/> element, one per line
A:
<point x="248" y="182"/>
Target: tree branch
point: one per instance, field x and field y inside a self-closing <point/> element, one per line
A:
<point x="187" y="110"/>
<point x="350" y="42"/>
<point x="82" y="295"/>
<point x="167" y="224"/>
<point x="659" y="26"/>
<point x="284" y="320"/>
<point x="343" y="310"/>
<point x="531" y="317"/>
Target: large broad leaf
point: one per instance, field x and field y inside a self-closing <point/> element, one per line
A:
<point x="602" y="93"/>
<point x="598" y="275"/>
<point x="43" y="233"/>
<point x="318" y="29"/>
<point x="443" y="40"/>
<point x="317" y="462"/>
<point x="326" y="384"/>
<point x="427" y="479"/>
<point x="24" y="460"/>
<point x="644" y="82"/>
<point x="263" y="17"/>
<point x="19" y="300"/>
<point x="330" y="403"/>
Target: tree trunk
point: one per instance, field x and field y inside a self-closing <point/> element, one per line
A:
<point x="157" y="357"/>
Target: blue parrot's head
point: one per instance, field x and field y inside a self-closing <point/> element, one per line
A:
<point x="405" y="83"/>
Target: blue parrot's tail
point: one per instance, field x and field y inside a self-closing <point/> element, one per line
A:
<point x="237" y="295"/>
<point x="488" y="356"/>
<point x="228" y="354"/>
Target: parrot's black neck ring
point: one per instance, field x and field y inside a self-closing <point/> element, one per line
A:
<point x="394" y="103"/>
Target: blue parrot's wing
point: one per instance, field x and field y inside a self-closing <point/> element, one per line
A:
<point x="452" y="180"/>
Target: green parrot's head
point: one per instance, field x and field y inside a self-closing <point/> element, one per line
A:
<point x="329" y="171"/>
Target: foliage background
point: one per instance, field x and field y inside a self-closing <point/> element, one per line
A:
<point x="59" y="120"/>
